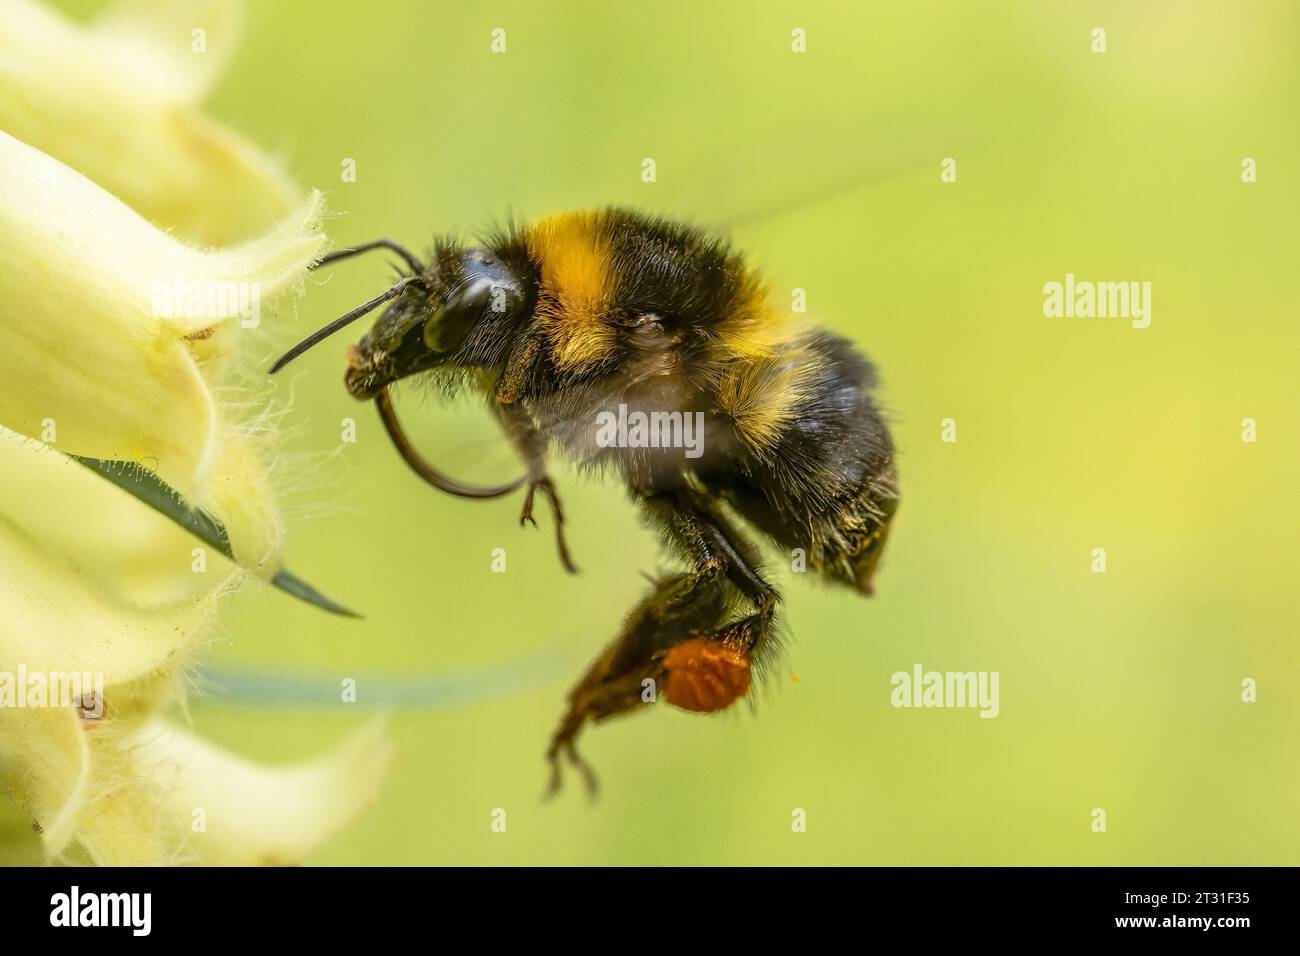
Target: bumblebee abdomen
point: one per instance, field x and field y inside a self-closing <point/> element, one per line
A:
<point x="851" y="552"/>
<point x="820" y="481"/>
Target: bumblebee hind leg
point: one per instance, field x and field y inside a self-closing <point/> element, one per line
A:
<point x="683" y="640"/>
<point x="677" y="608"/>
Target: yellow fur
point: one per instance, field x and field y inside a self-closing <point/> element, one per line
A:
<point x="764" y="374"/>
<point x="763" y="395"/>
<point x="768" y="370"/>
<point x="754" y="330"/>
<point x="576" y="287"/>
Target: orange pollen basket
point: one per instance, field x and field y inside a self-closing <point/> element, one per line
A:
<point x="705" y="676"/>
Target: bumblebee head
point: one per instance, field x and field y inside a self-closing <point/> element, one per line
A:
<point x="451" y="313"/>
<point x="445" y="316"/>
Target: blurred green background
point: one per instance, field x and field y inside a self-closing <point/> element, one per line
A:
<point x="1119" y="690"/>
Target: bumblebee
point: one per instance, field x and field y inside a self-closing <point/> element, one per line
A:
<point x="580" y="320"/>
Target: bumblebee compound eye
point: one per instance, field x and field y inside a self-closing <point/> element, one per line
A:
<point x="705" y="675"/>
<point x="484" y="289"/>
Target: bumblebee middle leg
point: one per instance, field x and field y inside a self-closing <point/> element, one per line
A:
<point x="678" y="640"/>
<point x="531" y="445"/>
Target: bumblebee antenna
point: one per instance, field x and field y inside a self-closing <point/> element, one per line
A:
<point x="422" y="468"/>
<point x="323" y="333"/>
<point x="388" y="244"/>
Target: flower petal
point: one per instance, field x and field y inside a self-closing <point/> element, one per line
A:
<point x="152" y="42"/>
<point x="115" y="100"/>
<point x="255" y="814"/>
<point x="20" y="840"/>
<point x="45" y="768"/>
<point x="98" y="305"/>
<point x="238" y="495"/>
<point x="116" y="542"/>
<point x="56" y="621"/>
<point x="120" y="823"/>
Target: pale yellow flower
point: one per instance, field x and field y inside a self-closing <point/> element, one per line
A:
<point x="118" y="100"/>
<point x="117" y="341"/>
<point x="99" y="352"/>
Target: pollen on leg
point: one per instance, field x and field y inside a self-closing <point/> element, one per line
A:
<point x="705" y="676"/>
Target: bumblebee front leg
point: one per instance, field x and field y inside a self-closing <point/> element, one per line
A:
<point x="530" y="442"/>
<point x="675" y="642"/>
